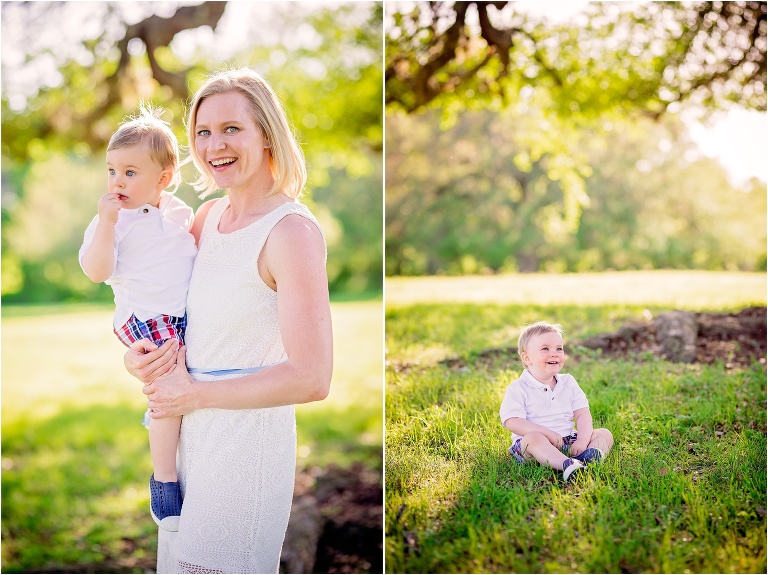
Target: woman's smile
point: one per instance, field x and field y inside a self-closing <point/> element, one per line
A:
<point x="222" y="163"/>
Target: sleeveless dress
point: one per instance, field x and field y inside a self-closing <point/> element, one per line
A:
<point x="236" y="467"/>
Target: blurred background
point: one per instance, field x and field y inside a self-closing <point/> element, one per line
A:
<point x="74" y="458"/>
<point x="575" y="136"/>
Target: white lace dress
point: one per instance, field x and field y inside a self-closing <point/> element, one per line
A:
<point x="236" y="467"/>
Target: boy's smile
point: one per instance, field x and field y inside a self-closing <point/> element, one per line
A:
<point x="544" y="356"/>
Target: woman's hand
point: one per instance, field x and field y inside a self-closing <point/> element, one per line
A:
<point x="146" y="362"/>
<point x="174" y="394"/>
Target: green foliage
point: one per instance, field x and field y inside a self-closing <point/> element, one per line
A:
<point x="541" y="94"/>
<point x="331" y="87"/>
<point x="627" y="195"/>
<point x="687" y="472"/>
<point x="644" y="57"/>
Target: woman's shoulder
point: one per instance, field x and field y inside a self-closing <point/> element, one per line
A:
<point x="295" y="230"/>
<point x="200" y="216"/>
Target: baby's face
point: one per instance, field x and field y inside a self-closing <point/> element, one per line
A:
<point x="544" y="356"/>
<point x="134" y="176"/>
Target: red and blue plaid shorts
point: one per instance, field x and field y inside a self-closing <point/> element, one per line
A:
<point x="156" y="329"/>
<point x="516" y="449"/>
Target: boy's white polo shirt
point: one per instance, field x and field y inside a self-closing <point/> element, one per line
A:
<point x="530" y="399"/>
<point x="154" y="255"/>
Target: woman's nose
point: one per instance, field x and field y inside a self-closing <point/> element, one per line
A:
<point x="216" y="143"/>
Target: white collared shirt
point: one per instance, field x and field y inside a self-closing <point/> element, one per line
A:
<point x="530" y="399"/>
<point x="154" y="254"/>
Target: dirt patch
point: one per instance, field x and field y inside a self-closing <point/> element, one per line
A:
<point x="336" y="522"/>
<point x="736" y="339"/>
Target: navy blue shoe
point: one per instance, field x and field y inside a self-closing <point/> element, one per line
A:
<point x="572" y="469"/>
<point x="165" y="503"/>
<point x="591" y="455"/>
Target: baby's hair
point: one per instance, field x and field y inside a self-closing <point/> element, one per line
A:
<point x="147" y="128"/>
<point x="538" y="328"/>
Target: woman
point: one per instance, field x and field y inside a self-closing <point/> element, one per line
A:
<point x="258" y="339"/>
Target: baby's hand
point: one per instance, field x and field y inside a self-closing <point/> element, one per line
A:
<point x="555" y="439"/>
<point x="579" y="447"/>
<point x="109" y="206"/>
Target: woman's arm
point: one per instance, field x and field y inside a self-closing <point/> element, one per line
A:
<point x="584" y="428"/>
<point x="522" y="426"/>
<point x="293" y="261"/>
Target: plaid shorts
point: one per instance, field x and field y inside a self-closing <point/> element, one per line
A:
<point x="516" y="451"/>
<point x="156" y="329"/>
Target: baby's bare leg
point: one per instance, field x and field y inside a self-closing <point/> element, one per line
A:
<point x="537" y="446"/>
<point x="163" y="442"/>
<point x="602" y="439"/>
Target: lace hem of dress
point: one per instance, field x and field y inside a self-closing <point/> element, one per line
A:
<point x="185" y="567"/>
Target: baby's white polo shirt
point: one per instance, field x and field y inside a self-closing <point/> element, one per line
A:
<point x="154" y="255"/>
<point x="530" y="399"/>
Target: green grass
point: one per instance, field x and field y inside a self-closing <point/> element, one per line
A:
<point x="75" y="460"/>
<point x="684" y="489"/>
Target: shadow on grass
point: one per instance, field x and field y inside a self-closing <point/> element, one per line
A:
<point x="74" y="492"/>
<point x="683" y="489"/>
<point x="74" y="497"/>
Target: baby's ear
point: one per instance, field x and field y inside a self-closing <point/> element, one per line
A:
<point x="166" y="177"/>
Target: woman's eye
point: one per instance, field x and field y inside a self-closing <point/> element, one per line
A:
<point x="231" y="129"/>
<point x="204" y="133"/>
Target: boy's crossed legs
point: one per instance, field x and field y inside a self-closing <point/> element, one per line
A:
<point x="536" y="445"/>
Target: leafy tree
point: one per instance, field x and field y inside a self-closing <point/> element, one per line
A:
<point x="457" y="203"/>
<point x="536" y="94"/>
<point x="324" y="62"/>
<point x="647" y="56"/>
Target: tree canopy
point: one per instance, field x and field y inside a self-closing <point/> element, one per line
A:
<point x="88" y="65"/>
<point x="525" y="116"/>
<point x="648" y="56"/>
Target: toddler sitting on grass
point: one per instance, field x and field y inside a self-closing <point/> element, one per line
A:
<point x="540" y="408"/>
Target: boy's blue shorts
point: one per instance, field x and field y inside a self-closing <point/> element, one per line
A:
<point x="516" y="451"/>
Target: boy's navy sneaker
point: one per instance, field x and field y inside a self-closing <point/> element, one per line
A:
<point x="165" y="503"/>
<point x="591" y="455"/>
<point x="571" y="469"/>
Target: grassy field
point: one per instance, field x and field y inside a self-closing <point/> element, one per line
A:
<point x="75" y="460"/>
<point x="684" y="490"/>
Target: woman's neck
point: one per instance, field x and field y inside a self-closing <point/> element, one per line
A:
<point x="244" y="209"/>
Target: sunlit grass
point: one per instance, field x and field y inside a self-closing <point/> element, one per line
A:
<point x="76" y="460"/>
<point x="674" y="289"/>
<point x="683" y="491"/>
<point x="429" y="319"/>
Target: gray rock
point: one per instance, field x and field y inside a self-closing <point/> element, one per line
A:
<point x="304" y="529"/>
<point x="676" y="333"/>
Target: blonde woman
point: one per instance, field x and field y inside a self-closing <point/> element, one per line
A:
<point x="258" y="338"/>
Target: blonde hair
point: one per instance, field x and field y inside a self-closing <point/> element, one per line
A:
<point x="531" y="331"/>
<point x="286" y="158"/>
<point x="147" y="128"/>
